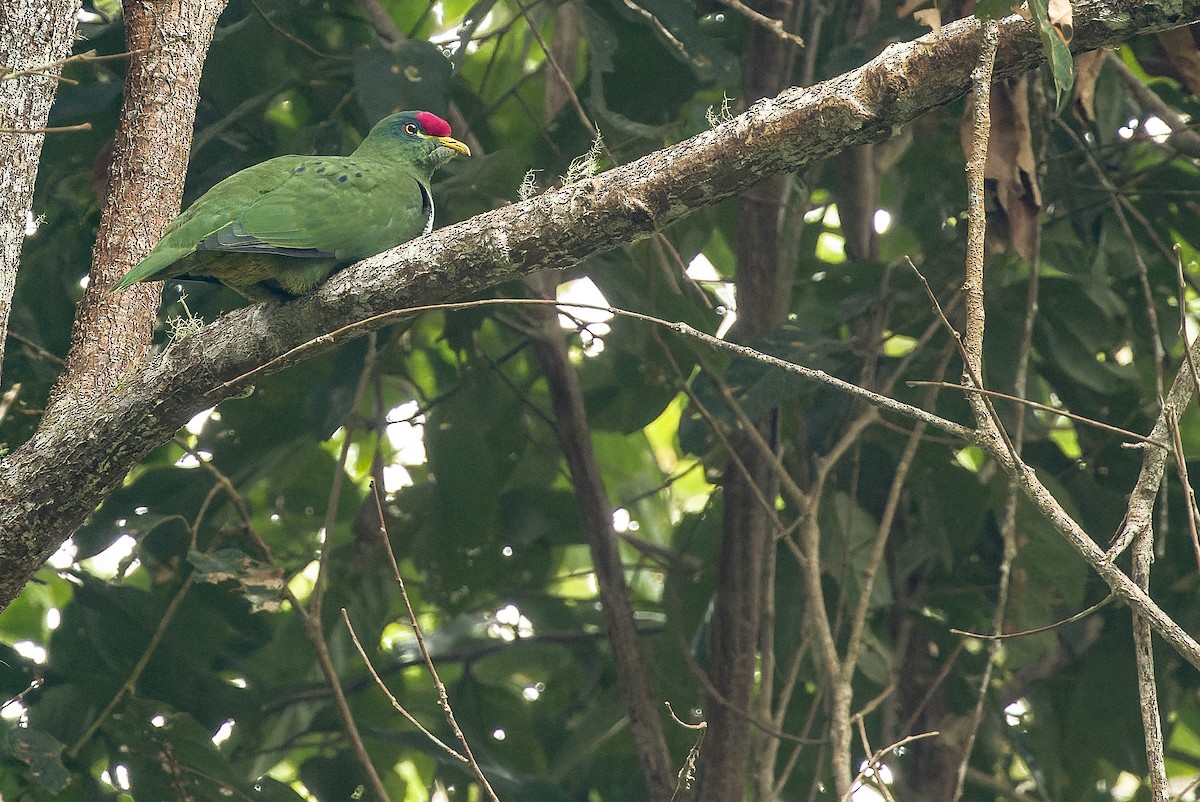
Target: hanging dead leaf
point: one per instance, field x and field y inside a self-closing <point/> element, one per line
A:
<point x="568" y="27"/>
<point x="1010" y="176"/>
<point x="1060" y="17"/>
<point x="1087" y="71"/>
<point x="931" y="17"/>
<point x="1182" y="57"/>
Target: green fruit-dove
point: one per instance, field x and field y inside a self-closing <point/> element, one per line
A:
<point x="280" y="228"/>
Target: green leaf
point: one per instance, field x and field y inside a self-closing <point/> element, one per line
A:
<point x="260" y="583"/>
<point x="41" y="753"/>
<point x="410" y="75"/>
<point x="171" y="756"/>
<point x="1058" y="53"/>
<point x="848" y="534"/>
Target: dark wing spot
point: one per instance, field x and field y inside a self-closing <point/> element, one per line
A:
<point x="300" y="169"/>
<point x="320" y="169"/>
<point x="358" y="175"/>
<point x="342" y="178"/>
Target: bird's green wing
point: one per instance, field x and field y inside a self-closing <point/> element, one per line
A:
<point x="343" y="207"/>
<point x="217" y="209"/>
<point x="305" y="207"/>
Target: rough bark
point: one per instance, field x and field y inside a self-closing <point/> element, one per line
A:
<point x="50" y="484"/>
<point x="763" y="287"/>
<point x="112" y="332"/>
<point x="33" y="33"/>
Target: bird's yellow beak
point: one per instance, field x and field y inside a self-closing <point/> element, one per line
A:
<point x="453" y="144"/>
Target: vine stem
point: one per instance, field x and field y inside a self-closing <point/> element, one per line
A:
<point x="988" y="423"/>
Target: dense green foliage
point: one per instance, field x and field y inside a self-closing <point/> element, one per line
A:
<point x="450" y="415"/>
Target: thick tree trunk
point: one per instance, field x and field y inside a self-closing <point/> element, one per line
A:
<point x="763" y="287"/>
<point x="35" y="36"/>
<point x="112" y="333"/>
<point x="111" y="338"/>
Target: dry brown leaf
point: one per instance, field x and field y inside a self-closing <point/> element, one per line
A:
<point x="568" y="27"/>
<point x="1014" y="198"/>
<point x="929" y="16"/>
<point x="1060" y="16"/>
<point x="1183" y="55"/>
<point x="1087" y="71"/>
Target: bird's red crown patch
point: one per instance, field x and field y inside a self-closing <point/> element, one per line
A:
<point x="432" y="124"/>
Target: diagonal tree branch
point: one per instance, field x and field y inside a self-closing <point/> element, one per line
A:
<point x="50" y="484"/>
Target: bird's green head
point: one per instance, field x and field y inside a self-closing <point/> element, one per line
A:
<point x="417" y="136"/>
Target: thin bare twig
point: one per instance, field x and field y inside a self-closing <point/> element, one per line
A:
<point x="873" y="768"/>
<point x="47" y="69"/>
<point x="57" y="129"/>
<point x="943" y="672"/>
<point x="989" y="421"/>
<point x="1180" y="461"/>
<point x="662" y="29"/>
<point x="882" y="401"/>
<point x="873" y="761"/>
<point x="392" y="698"/>
<point x="443" y="697"/>
<point x="339" y="478"/>
<point x="773" y="25"/>
<point x="311" y="624"/>
<point x="688" y="773"/>
<point x="981" y="123"/>
<point x="876" y="700"/>
<point x="697" y="670"/>
<point x="1140" y="509"/>
<point x="130" y="684"/>
<point x="563" y="77"/>
<point x="291" y="37"/>
<point x="749" y="430"/>
<point x="1036" y="630"/>
<point x="1182" y="471"/>
<point x="1187" y="789"/>
<point x="385" y="27"/>
<point x="840" y="712"/>
<point x="310" y="614"/>
<point x="1101" y="562"/>
<point x="1043" y="408"/>
<point x="1143" y="556"/>
<point x="38" y="350"/>
<point x="312" y="629"/>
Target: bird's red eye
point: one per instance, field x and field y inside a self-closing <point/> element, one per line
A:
<point x="411" y="129"/>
